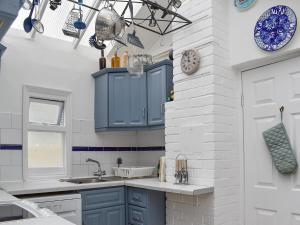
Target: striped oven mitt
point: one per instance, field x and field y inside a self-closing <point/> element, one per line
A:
<point x="279" y="145"/>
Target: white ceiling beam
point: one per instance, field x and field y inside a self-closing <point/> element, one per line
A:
<point x="40" y="15"/>
<point x="87" y="21"/>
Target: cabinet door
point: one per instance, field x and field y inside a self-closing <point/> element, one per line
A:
<point x="93" y="217"/>
<point x="156" y="87"/>
<point x="106" y="216"/>
<point x="119" y="99"/>
<point x="115" y="215"/>
<point x="138" y="101"/>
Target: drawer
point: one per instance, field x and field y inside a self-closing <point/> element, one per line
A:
<point x="137" y="215"/>
<point x="102" y="198"/>
<point x="138" y="197"/>
<point x="59" y="206"/>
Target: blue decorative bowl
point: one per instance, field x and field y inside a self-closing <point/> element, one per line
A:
<point x="244" y="4"/>
<point x="275" y="28"/>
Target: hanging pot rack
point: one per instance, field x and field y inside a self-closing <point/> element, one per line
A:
<point x="174" y="16"/>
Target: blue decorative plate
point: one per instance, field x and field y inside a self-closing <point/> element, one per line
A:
<point x="275" y="28"/>
<point x="244" y="4"/>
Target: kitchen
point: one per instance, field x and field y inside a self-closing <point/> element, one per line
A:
<point x="146" y="126"/>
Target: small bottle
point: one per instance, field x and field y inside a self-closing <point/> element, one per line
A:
<point x="115" y="61"/>
<point x="125" y="59"/>
<point x="102" y="60"/>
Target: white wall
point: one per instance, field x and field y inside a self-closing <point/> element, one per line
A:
<point x="244" y="52"/>
<point x="53" y="63"/>
<point x="202" y="121"/>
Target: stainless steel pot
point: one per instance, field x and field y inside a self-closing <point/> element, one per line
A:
<point x="109" y="25"/>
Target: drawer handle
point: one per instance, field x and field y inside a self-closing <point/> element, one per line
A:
<point x="137" y="198"/>
<point x="137" y="218"/>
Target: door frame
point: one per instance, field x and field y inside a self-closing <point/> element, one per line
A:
<point x="241" y="136"/>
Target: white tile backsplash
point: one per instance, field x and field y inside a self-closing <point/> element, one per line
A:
<point x="11" y="136"/>
<point x="16" y="121"/>
<point x="5" y="158"/>
<point x="83" y="135"/>
<point x="5" y="120"/>
<point x="10" y="173"/>
<point x="76" y="126"/>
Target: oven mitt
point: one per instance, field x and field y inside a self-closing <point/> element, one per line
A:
<point x="280" y="148"/>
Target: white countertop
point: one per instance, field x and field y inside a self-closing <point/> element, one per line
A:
<point x="4" y="197"/>
<point x="49" y="220"/>
<point x="34" y="187"/>
<point x="154" y="184"/>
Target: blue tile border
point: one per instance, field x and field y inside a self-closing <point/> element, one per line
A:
<point x="13" y="147"/>
<point x="117" y="149"/>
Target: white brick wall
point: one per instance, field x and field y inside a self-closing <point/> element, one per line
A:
<point x="201" y="122"/>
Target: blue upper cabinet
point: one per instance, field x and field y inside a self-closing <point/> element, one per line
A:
<point x="159" y="86"/>
<point x="137" y="101"/>
<point x="119" y="99"/>
<point x="8" y="12"/>
<point x="126" y="101"/>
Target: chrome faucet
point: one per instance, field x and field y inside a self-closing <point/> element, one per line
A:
<point x="100" y="172"/>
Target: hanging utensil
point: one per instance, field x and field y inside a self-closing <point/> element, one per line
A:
<point x="27" y="24"/>
<point x="37" y="25"/>
<point x="132" y="38"/>
<point x="94" y="42"/>
<point x="69" y="29"/>
<point x="109" y="25"/>
<point x="79" y="24"/>
<point x="27" y="5"/>
<point x="30" y="23"/>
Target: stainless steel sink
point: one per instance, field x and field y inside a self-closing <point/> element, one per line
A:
<point x="89" y="180"/>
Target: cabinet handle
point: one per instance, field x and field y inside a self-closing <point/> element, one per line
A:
<point x="137" y="218"/>
<point x="162" y="108"/>
<point x="144" y="112"/>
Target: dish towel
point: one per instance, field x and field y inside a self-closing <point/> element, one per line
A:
<point x="279" y="145"/>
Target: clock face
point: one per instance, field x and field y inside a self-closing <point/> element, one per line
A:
<point x="190" y="61"/>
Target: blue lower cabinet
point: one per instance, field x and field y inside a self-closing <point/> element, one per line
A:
<point x="103" y="198"/>
<point x="145" y="207"/>
<point x="137" y="215"/>
<point x="106" y="216"/>
<point x="123" y="206"/>
<point x="104" y="206"/>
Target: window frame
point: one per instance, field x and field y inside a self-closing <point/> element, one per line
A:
<point x="55" y="95"/>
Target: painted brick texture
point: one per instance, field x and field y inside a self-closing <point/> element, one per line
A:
<point x="202" y="121"/>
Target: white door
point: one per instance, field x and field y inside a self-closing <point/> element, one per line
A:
<point x="271" y="198"/>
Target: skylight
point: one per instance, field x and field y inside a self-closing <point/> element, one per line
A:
<point x="54" y="20"/>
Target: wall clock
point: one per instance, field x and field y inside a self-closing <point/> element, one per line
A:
<point x="190" y="61"/>
<point x="244" y="4"/>
<point x="275" y="28"/>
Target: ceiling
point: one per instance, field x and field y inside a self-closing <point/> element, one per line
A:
<point x="54" y="20"/>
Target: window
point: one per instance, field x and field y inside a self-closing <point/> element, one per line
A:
<point x="46" y="133"/>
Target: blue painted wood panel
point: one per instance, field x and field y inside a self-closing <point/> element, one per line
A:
<point x="101" y="102"/>
<point x="119" y="99"/>
<point x="138" y="197"/>
<point x="156" y="87"/>
<point x="138" y="101"/>
<point x="137" y="216"/>
<point x="101" y="198"/>
<point x="105" y="216"/>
